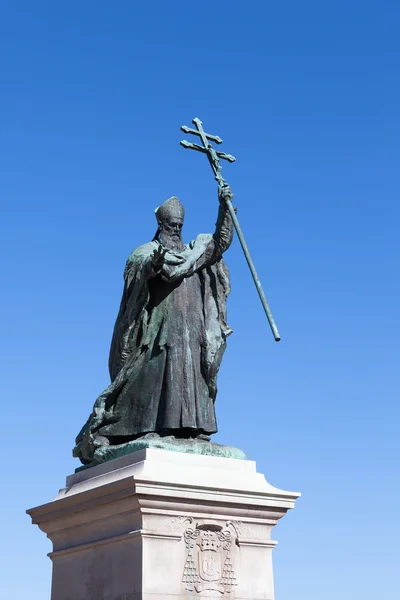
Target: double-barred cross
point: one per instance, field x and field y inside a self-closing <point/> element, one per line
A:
<point x="207" y="148"/>
<point x="213" y="158"/>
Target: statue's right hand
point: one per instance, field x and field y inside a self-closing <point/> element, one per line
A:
<point x="158" y="258"/>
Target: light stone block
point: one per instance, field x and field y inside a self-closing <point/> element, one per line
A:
<point x="158" y="525"/>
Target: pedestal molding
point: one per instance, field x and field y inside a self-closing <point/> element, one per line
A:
<point x="117" y="538"/>
<point x="206" y="514"/>
<point x="257" y="543"/>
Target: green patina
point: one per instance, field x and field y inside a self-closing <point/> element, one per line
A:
<point x="189" y="446"/>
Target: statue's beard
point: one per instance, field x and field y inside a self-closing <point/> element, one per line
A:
<point x="172" y="241"/>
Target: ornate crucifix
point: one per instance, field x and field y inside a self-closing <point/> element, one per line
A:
<point x="213" y="158"/>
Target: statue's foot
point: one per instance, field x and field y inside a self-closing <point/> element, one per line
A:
<point x="204" y="437"/>
<point x="149" y="436"/>
<point x="101" y="440"/>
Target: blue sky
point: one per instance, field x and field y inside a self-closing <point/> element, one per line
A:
<point x="306" y="95"/>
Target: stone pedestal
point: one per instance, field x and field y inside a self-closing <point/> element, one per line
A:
<point x="158" y="525"/>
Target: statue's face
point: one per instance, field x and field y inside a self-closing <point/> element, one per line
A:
<point x="171" y="232"/>
<point x="172" y="227"/>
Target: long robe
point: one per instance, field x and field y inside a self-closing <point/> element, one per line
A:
<point x="167" y="346"/>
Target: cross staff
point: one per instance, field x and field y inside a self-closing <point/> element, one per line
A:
<point x="213" y="158"/>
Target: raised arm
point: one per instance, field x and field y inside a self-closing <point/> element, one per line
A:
<point x="224" y="226"/>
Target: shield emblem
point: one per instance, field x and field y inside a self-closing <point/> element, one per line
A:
<point x="210" y="556"/>
<point x="209" y="563"/>
<point x="210" y="567"/>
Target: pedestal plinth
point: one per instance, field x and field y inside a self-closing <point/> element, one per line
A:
<point x="159" y="525"/>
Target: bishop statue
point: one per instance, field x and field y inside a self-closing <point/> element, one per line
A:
<point x="169" y="337"/>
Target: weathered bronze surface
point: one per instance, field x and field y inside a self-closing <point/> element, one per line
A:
<point x="168" y="341"/>
<point x="170" y="336"/>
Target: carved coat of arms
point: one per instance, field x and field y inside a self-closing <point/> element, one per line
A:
<point x="209" y="563"/>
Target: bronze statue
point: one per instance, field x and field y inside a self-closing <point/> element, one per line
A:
<point x="170" y="335"/>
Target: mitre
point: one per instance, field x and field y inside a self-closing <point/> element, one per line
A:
<point x="170" y="208"/>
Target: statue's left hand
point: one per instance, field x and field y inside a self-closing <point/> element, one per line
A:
<point x="224" y="194"/>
